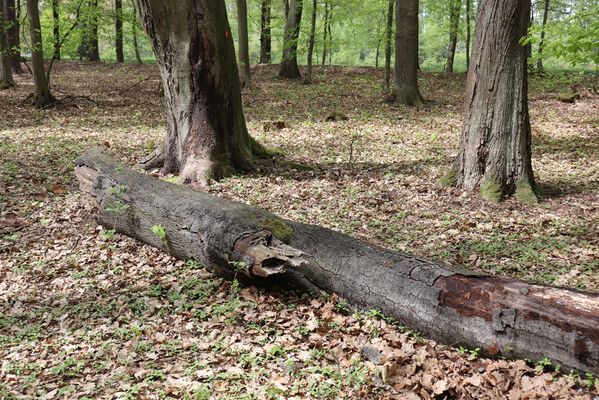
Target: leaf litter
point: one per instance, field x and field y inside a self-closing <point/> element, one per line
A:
<point x="88" y="313"/>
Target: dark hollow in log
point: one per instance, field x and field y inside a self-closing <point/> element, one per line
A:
<point x="448" y="304"/>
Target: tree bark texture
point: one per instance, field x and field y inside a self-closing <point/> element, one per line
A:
<point x="207" y="137"/>
<point x="134" y="34"/>
<point x="405" y="86"/>
<point x="388" y="36"/>
<point x="6" y="79"/>
<point x="41" y="96"/>
<point x="13" y="40"/>
<point x="453" y="306"/>
<point x="542" y="42"/>
<point x="56" y="28"/>
<point x="495" y="146"/>
<point x="93" y="49"/>
<point x="265" y="36"/>
<point x="291" y="31"/>
<point x="244" y="52"/>
<point x="118" y="30"/>
<point x="454" y="20"/>
<point x="468" y="35"/>
<point x="308" y="77"/>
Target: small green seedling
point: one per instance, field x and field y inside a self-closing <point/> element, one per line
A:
<point x="160" y="232"/>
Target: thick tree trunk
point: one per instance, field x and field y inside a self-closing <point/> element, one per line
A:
<point x="244" y="53"/>
<point x="291" y="31"/>
<point x="324" y="34"/>
<point x="207" y="137"/>
<point x="118" y="30"/>
<point x="41" y="96"/>
<point x="265" y="38"/>
<point x="134" y="34"/>
<point x="454" y="306"/>
<point x="11" y="18"/>
<point x="388" y="35"/>
<point x="495" y="147"/>
<point x="56" y="29"/>
<point x="308" y="77"/>
<point x="6" y="79"/>
<point x="454" y="20"/>
<point x="405" y="86"/>
<point x="468" y="35"/>
<point x="93" y="49"/>
<point x="542" y="42"/>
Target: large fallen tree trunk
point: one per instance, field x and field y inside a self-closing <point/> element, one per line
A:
<point x="450" y="305"/>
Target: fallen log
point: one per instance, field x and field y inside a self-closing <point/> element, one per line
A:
<point x="451" y="305"/>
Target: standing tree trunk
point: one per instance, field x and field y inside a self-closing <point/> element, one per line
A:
<point x="468" y="35"/>
<point x="324" y="35"/>
<point x="41" y="96"/>
<point x="495" y="148"/>
<point x="56" y="29"/>
<point x="405" y="86"/>
<point x="265" y="41"/>
<point x="454" y="19"/>
<point x="244" y="54"/>
<point x="6" y="79"/>
<point x="207" y="137"/>
<point x="93" y="50"/>
<point x="388" y="34"/>
<point x="291" y="31"/>
<point x="118" y="29"/>
<point x="330" y="37"/>
<point x="308" y="78"/>
<point x="13" y="41"/>
<point x="134" y="34"/>
<point x="541" y="44"/>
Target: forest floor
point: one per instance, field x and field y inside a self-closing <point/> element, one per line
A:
<point x="86" y="313"/>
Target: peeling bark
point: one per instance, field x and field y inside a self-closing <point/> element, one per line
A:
<point x="448" y="304"/>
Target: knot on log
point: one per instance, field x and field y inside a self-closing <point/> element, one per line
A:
<point x="265" y="255"/>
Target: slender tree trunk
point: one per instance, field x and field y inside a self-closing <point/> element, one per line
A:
<point x="388" y="35"/>
<point x="118" y="29"/>
<point x="207" y="137"/>
<point x="242" y="31"/>
<point x="12" y="14"/>
<point x="308" y="78"/>
<point x="324" y="35"/>
<point x="265" y="38"/>
<point x="468" y="35"/>
<point x="134" y="34"/>
<point x="330" y="36"/>
<point x="93" y="51"/>
<point x="41" y="96"/>
<point x="6" y="79"/>
<point x="56" y="28"/>
<point x="405" y="86"/>
<point x="454" y="20"/>
<point x="495" y="148"/>
<point x="542" y="43"/>
<point x="291" y="31"/>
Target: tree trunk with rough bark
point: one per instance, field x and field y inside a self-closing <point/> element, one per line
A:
<point x="207" y="137"/>
<point x="118" y="30"/>
<point x="468" y="35"/>
<point x="405" y="85"/>
<point x="291" y="31"/>
<point x="244" y="52"/>
<point x="502" y="317"/>
<point x="265" y="38"/>
<point x="13" y="42"/>
<point x="42" y="96"/>
<point x="454" y="20"/>
<point x="93" y="47"/>
<point x="388" y="36"/>
<point x="495" y="148"/>
<point x="134" y="34"/>
<point x="6" y="79"/>
<point x="56" y="28"/>
<point x="542" y="42"/>
<point x="308" y="77"/>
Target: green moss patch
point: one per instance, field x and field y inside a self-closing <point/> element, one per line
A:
<point x="280" y="229"/>
<point x="525" y="192"/>
<point x="296" y="165"/>
<point x="491" y="189"/>
<point x="450" y="178"/>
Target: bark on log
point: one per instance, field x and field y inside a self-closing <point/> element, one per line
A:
<point x="447" y="304"/>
